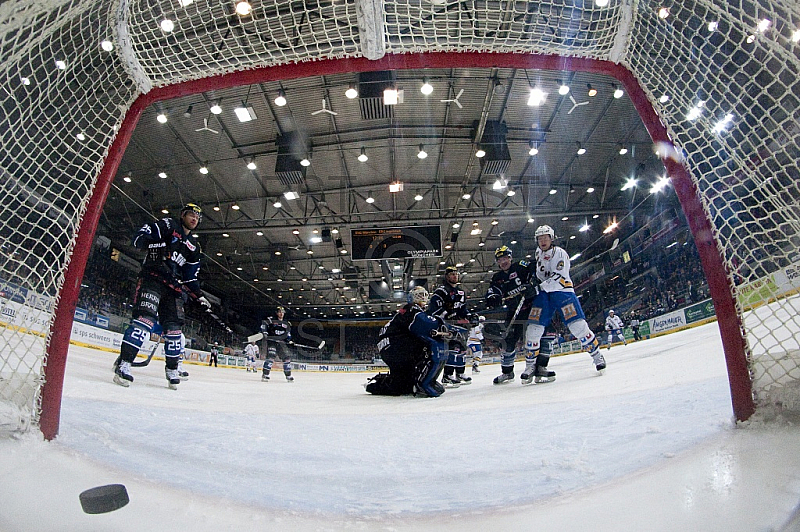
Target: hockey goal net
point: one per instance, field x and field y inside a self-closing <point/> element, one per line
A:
<point x="76" y="74"/>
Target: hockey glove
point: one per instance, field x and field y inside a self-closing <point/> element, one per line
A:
<point x="156" y="252"/>
<point x="531" y="291"/>
<point x="494" y="301"/>
<point x="204" y="302"/>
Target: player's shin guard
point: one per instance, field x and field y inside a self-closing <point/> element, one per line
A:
<point x="266" y="369"/>
<point x="287" y="369"/>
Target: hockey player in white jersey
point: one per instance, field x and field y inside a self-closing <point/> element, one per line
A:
<point x="556" y="294"/>
<point x="251" y="354"/>
<point x="475" y="344"/>
<point x="614" y="328"/>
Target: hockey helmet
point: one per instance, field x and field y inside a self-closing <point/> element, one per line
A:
<point x="192" y="207"/>
<point x="502" y="251"/>
<point x="611" y="312"/>
<point x="545" y="230"/>
<point x="481" y="318"/>
<point x="450" y="269"/>
<point x="419" y="296"/>
<point x="279" y="310"/>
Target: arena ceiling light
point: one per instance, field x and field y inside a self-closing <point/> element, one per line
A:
<point x="585" y="227"/>
<point x="280" y="99"/>
<point x="592" y="91"/>
<point x="243" y="8"/>
<point x="363" y="155"/>
<point x="215" y="109"/>
<point x="533" y="149"/>
<point x="418" y="197"/>
<point x="251" y="164"/>
<point x="630" y="183"/>
<point x="391" y="96"/>
<point x="395" y="187"/>
<point x="563" y="89"/>
<point x="618" y="93"/>
<point x="426" y="88"/>
<point x="245" y="113"/>
<point x="351" y="92"/>
<point x="291" y="195"/>
<point x="581" y="149"/>
<point x="422" y="154"/>
<point x="623" y="150"/>
<point x="537" y="97"/>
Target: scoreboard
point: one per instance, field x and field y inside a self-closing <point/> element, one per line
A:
<point x="416" y="242"/>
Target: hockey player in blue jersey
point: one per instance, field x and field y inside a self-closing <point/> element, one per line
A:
<point x="172" y="263"/>
<point x="277" y="335"/>
<point x="449" y="302"/>
<point x="413" y="345"/>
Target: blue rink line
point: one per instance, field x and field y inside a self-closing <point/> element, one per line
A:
<point x="372" y="465"/>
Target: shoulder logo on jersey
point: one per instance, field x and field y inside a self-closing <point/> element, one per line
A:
<point x="524" y="263"/>
<point x="513" y="275"/>
<point x="190" y="246"/>
<point x="560" y="265"/>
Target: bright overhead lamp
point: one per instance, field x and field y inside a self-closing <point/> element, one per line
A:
<point x="456" y="225"/>
<point x="390" y="96"/>
<point x="610" y="228"/>
<point x="495" y="222"/>
<point x="351" y="92"/>
<point x="127" y="179"/>
<point x="601" y="3"/>
<point x="481" y="244"/>
<point x="553" y="191"/>
<point x="235" y="207"/>
<point x="315" y="239"/>
<point x="305" y="162"/>
<point x="663" y="13"/>
<point x="618" y="93"/>
<point x="162" y="175"/>
<point x="215" y="109"/>
<point x="563" y="89"/>
<point x="466" y="196"/>
<point x="581" y="149"/>
<point x="796" y="36"/>
<point x="480" y="153"/>
<point x="426" y="88"/>
<point x="291" y="195"/>
<point x="585" y="227"/>
<point x="630" y="183"/>
<point x="162" y="118"/>
<point x="418" y="197"/>
<point x="510" y="193"/>
<point x="243" y="8"/>
<point x="623" y="150"/>
<point x="167" y="25"/>
<point x="280" y="99"/>
<point x="395" y="186"/>
<point x="277" y="205"/>
<point x="537" y="97"/>
<point x="245" y="113"/>
<point x="107" y="45"/>
<point x="592" y="91"/>
<point x="531" y="220"/>
<point x="499" y="184"/>
<point x="422" y="154"/>
<point x="659" y="185"/>
<point x="664" y="98"/>
<point x="590" y="190"/>
<point x="203" y="169"/>
<point x="251" y="164"/>
<point x="533" y="149"/>
<point x="363" y="156"/>
<point x="370" y="199"/>
<point x="296" y="232"/>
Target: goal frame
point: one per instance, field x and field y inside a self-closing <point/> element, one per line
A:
<point x="719" y="281"/>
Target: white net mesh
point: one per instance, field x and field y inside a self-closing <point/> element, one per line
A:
<point x="64" y="96"/>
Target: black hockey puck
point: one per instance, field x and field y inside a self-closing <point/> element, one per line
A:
<point x="104" y="499"/>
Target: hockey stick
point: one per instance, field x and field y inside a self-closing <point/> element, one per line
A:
<point x="260" y="336"/>
<point x="141" y="364"/>
<point x="146" y="361"/>
<point x="513" y="318"/>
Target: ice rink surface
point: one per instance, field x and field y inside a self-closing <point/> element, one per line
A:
<point x="650" y="445"/>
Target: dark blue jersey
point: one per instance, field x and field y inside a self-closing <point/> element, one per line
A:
<point x="173" y="257"/>
<point x="448" y="302"/>
<point x="275" y="329"/>
<point x="512" y="282"/>
<point x="411" y="328"/>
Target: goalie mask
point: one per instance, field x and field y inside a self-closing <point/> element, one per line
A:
<point x="419" y="296"/>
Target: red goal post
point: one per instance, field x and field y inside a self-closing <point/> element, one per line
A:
<point x="737" y="67"/>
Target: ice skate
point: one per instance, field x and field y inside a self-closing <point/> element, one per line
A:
<point x="475" y="368"/>
<point x="289" y="378"/>
<point x="173" y="378"/>
<point x="530" y="370"/>
<point x="183" y="374"/>
<point x="122" y="373"/>
<point x="450" y="381"/>
<point x="540" y="375"/>
<point x="504" y="378"/>
<point x="599" y="362"/>
<point x="463" y="379"/>
<point x="264" y="377"/>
